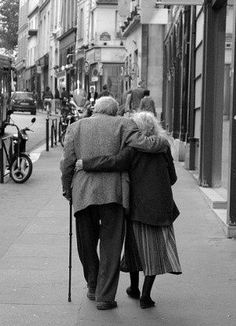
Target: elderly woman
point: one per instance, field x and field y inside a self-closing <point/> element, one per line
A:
<point x="99" y="199"/>
<point x="150" y="232"/>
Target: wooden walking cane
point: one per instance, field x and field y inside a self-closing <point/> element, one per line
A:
<point x="70" y="250"/>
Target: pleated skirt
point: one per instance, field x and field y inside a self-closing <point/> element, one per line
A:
<point x="151" y="249"/>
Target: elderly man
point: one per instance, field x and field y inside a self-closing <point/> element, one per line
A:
<point x="100" y="199"/>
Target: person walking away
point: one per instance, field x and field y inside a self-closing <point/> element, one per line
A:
<point x="47" y="98"/>
<point x="147" y="103"/>
<point x="105" y="92"/>
<point x="150" y="241"/>
<point x="136" y="96"/>
<point x="100" y="199"/>
<point x="92" y="96"/>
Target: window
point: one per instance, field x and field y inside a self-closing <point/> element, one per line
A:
<point x="92" y="25"/>
<point x="81" y="24"/>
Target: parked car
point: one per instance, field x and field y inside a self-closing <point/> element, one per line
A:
<point x="23" y="102"/>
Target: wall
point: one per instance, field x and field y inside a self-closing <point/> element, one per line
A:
<point x="155" y="64"/>
<point x="32" y="5"/>
<point x="133" y="42"/>
<point x="44" y="31"/>
<point x="198" y="79"/>
<point x="104" y="21"/>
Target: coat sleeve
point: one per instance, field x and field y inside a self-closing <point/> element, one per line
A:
<point x="67" y="163"/>
<point x="118" y="162"/>
<point x="133" y="137"/>
<point x="171" y="167"/>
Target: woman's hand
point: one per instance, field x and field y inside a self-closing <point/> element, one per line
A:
<point x="79" y="165"/>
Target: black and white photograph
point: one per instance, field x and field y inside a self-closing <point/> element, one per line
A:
<point x="117" y="162"/>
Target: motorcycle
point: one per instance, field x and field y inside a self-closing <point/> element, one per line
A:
<point x="70" y="115"/>
<point x="19" y="162"/>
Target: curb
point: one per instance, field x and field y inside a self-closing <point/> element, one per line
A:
<point x="35" y="154"/>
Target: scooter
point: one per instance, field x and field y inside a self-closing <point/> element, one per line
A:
<point x="19" y="162"/>
<point x="71" y="115"/>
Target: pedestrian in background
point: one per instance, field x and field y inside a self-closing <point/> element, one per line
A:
<point x="136" y="96"/>
<point x="147" y="103"/>
<point x="150" y="240"/>
<point x="105" y="92"/>
<point x="92" y="96"/>
<point x="100" y="199"/>
<point x="47" y="98"/>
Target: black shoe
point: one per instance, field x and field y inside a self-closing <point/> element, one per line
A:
<point x="133" y="293"/>
<point x="106" y="305"/>
<point x="91" y="294"/>
<point x="146" y="302"/>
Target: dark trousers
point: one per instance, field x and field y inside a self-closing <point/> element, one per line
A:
<point x="104" y="223"/>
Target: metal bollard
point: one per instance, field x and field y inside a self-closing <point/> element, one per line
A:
<point x="1" y="162"/>
<point x="52" y="127"/>
<point x="47" y="133"/>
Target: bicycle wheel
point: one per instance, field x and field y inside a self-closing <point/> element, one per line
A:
<point x="21" y="173"/>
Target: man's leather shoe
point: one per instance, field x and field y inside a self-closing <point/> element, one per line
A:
<point x="106" y="305"/>
<point x="91" y="294"/>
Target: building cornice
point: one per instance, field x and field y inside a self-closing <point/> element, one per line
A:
<point x="107" y="2"/>
<point x="44" y="5"/>
<point x="131" y="25"/>
<point x="36" y="9"/>
<point x="68" y="32"/>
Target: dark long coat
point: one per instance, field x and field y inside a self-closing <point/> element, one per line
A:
<point x="151" y="177"/>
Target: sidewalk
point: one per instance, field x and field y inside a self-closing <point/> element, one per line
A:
<point x="34" y="267"/>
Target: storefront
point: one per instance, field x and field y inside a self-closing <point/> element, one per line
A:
<point x="105" y="66"/>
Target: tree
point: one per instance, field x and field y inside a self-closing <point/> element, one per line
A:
<point x="9" y="13"/>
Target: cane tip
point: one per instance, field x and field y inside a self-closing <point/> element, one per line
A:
<point x="69" y="299"/>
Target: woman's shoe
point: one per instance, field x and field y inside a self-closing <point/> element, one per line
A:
<point x="133" y="293"/>
<point x="146" y="302"/>
<point x="91" y="294"/>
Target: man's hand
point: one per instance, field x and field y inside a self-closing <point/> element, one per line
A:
<point x="79" y="165"/>
<point x="67" y="195"/>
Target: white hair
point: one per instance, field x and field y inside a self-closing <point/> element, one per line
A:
<point x="149" y="125"/>
<point x="106" y="105"/>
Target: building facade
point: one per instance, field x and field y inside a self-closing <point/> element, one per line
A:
<point x="143" y="29"/>
<point x="66" y="73"/>
<point x="22" y="44"/>
<point x="100" y="51"/>
<point x="197" y="98"/>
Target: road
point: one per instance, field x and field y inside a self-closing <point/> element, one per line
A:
<point x="38" y="136"/>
